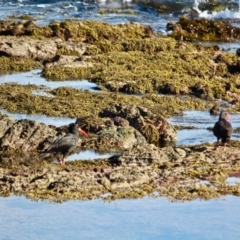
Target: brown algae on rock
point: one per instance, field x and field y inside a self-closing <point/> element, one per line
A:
<point x="204" y="29"/>
<point x="15" y="64"/>
<point x="67" y="101"/>
<point x="128" y="58"/>
<point x="176" y="173"/>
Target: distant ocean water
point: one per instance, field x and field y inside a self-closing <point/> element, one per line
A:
<point x="46" y="11"/>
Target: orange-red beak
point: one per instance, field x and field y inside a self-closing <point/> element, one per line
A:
<point x="229" y="117"/>
<point x="82" y="132"/>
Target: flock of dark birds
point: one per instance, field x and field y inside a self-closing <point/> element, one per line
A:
<point x="65" y="145"/>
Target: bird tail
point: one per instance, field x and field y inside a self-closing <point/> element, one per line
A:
<point x="44" y="154"/>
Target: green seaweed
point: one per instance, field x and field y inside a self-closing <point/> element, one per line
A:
<point x="14" y="64"/>
<point x="69" y="101"/>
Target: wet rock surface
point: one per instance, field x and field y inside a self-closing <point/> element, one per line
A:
<point x="203" y="29"/>
<point x="123" y="58"/>
<point x="138" y="117"/>
<point x="127" y="58"/>
<point x="27" y="48"/>
<point x="26" y="135"/>
<point x="179" y="173"/>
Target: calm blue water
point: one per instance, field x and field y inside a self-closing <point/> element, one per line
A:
<point x="140" y="219"/>
<point x="201" y="120"/>
<point x="34" y="77"/>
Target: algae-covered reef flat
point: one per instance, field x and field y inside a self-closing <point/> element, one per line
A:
<point x="204" y="30"/>
<point x="121" y="59"/>
<point x="178" y="173"/>
<point x="70" y="102"/>
<point x="128" y="58"/>
<point x="137" y="170"/>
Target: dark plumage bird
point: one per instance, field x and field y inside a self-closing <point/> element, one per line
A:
<point x="223" y="129"/>
<point x="64" y="145"/>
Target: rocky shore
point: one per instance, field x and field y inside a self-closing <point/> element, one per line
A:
<point x="172" y="75"/>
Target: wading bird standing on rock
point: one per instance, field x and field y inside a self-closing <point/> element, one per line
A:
<point x="223" y="129"/>
<point x="64" y="145"/>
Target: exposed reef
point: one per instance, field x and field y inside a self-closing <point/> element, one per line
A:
<point x="70" y="102"/>
<point x="204" y="30"/>
<point x="122" y="60"/>
<point x="127" y="58"/>
<point x="178" y="173"/>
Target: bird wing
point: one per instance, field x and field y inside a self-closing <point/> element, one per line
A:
<point x="64" y="144"/>
<point x="217" y="129"/>
<point x="222" y="128"/>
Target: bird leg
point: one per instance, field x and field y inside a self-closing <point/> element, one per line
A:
<point x="58" y="159"/>
<point x="224" y="146"/>
<point x="216" y="145"/>
<point x="62" y="161"/>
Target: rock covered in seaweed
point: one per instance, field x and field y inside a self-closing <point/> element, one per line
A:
<point x="120" y="137"/>
<point x="203" y="29"/>
<point x="177" y="173"/>
<point x="111" y="134"/>
<point x="154" y="130"/>
<point x="24" y="134"/>
<point x="149" y="154"/>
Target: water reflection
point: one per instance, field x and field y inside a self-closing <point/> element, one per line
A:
<point x="56" y="121"/>
<point x="233" y="180"/>
<point x="89" y="155"/>
<point x="147" y="218"/>
<point x="34" y="77"/>
<point x="200" y="120"/>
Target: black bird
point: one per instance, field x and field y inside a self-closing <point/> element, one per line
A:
<point x="223" y="129"/>
<point x="64" y="145"/>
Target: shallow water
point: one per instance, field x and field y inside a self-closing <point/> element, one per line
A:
<point x="34" y="77"/>
<point x="56" y="121"/>
<point x="200" y="120"/>
<point x="89" y="155"/>
<point x="233" y="180"/>
<point x="147" y="218"/>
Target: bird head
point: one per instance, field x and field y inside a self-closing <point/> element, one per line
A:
<point x="225" y="115"/>
<point x="73" y="127"/>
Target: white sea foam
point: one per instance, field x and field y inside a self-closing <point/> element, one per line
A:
<point x="225" y="14"/>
